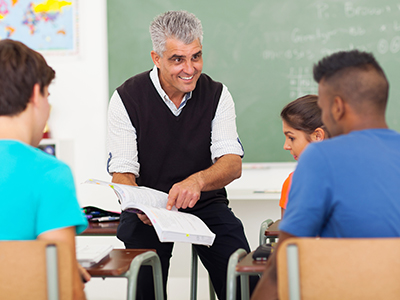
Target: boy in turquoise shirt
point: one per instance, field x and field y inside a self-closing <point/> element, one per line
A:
<point x="37" y="193"/>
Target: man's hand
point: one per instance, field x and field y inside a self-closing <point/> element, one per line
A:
<point x="186" y="193"/>
<point x="144" y="219"/>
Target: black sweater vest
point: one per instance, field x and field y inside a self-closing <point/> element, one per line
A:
<point x="171" y="148"/>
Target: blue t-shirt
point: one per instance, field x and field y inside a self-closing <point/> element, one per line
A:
<point x="37" y="193"/>
<point x="347" y="186"/>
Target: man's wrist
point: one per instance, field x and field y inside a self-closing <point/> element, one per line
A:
<point x="199" y="177"/>
<point x="124" y="178"/>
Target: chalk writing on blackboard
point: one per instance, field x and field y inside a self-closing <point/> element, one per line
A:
<point x="301" y="82"/>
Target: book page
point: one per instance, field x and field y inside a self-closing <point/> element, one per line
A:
<point x="178" y="226"/>
<point x="170" y="225"/>
<point x="130" y="195"/>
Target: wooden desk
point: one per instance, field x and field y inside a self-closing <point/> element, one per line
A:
<point x="126" y="263"/>
<point x="117" y="263"/>
<point x="250" y="266"/>
<point x="101" y="228"/>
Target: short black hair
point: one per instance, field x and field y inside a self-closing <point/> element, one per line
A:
<point x="357" y="77"/>
<point x="330" y="65"/>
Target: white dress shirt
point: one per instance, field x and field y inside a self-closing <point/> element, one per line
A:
<point x="121" y="137"/>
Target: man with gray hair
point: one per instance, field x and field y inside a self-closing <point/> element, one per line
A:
<point x="173" y="129"/>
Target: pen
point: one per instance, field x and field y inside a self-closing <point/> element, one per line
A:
<point x="104" y="219"/>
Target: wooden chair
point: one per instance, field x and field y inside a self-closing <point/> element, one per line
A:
<point x="327" y="268"/>
<point x="35" y="270"/>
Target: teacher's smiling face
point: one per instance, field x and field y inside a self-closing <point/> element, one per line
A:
<point x="179" y="68"/>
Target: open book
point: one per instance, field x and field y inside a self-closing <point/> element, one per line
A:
<point x="170" y="225"/>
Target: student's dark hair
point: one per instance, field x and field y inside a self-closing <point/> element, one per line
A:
<point x="330" y="65"/>
<point x="20" y="69"/>
<point x="357" y="76"/>
<point x="303" y="114"/>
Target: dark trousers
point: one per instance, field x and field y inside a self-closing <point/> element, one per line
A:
<point x="229" y="237"/>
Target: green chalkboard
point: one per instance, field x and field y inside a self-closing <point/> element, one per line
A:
<point x="263" y="51"/>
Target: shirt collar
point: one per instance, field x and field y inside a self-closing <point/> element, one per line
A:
<point x="156" y="82"/>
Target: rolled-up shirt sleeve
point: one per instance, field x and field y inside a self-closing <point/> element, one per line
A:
<point x="224" y="137"/>
<point x="121" y="139"/>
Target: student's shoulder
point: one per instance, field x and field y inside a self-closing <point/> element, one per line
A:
<point x="352" y="143"/>
<point x="39" y="159"/>
<point x="321" y="153"/>
<point x="22" y="151"/>
<point x="361" y="138"/>
<point x="334" y="143"/>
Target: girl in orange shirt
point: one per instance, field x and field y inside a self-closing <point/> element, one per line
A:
<point x="301" y="125"/>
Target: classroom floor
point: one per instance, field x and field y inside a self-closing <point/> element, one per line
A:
<point x="115" y="289"/>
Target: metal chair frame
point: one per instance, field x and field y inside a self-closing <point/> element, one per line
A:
<point x="149" y="258"/>
<point x="193" y="279"/>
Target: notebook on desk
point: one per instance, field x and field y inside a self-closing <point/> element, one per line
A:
<point x="89" y="255"/>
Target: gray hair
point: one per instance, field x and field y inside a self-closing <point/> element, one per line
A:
<point x="181" y="25"/>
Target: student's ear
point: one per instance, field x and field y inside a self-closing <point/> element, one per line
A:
<point x="338" y="108"/>
<point x="318" y="135"/>
<point x="156" y="58"/>
<point x="35" y="97"/>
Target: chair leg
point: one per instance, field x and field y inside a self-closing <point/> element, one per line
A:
<point x="293" y="272"/>
<point x="149" y="258"/>
<point x="231" y="274"/>
<point x="244" y="287"/>
<point x="157" y="277"/>
<point x="193" y="279"/>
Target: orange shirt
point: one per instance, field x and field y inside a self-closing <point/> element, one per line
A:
<point x="285" y="191"/>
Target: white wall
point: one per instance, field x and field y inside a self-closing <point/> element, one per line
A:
<point x="79" y="98"/>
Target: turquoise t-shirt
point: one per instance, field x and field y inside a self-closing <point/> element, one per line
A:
<point x="37" y="193"/>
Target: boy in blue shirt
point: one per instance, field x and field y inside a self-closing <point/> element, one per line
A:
<point x="343" y="183"/>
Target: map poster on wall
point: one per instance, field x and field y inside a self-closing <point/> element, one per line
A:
<point x="48" y="26"/>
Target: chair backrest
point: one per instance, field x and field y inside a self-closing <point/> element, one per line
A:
<point x="264" y="225"/>
<point x="327" y="268"/>
<point x="26" y="267"/>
